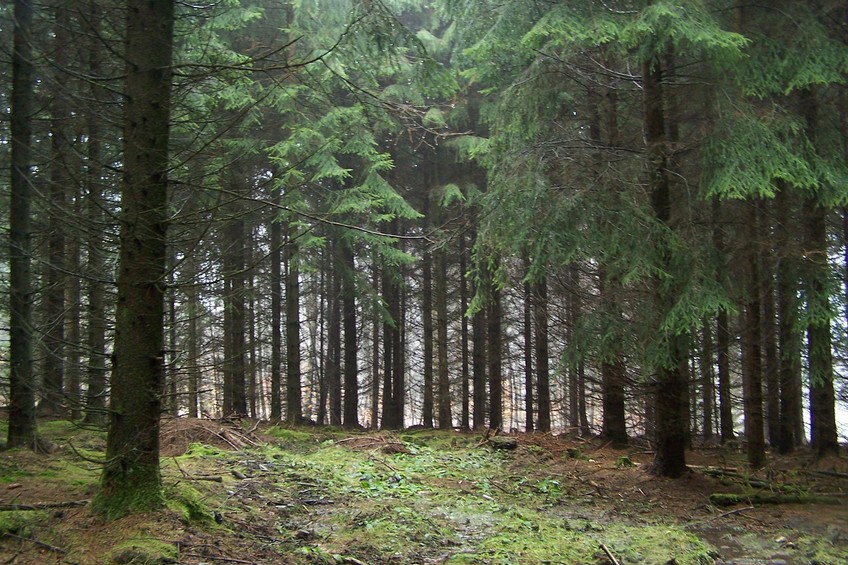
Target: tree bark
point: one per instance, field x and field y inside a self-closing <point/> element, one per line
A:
<point x="276" y="244"/>
<point x="465" y="375"/>
<point x="351" y="368"/>
<point x="22" y="428"/>
<point x="543" y="388"/>
<point x="427" y="331"/>
<point x="294" y="406"/>
<point x="441" y="300"/>
<point x="493" y="338"/>
<point x="670" y="383"/>
<point x="752" y="369"/>
<point x="131" y="478"/>
<point x="527" y="331"/>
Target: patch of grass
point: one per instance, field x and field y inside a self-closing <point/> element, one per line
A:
<point x="143" y="551"/>
<point x="20" y="523"/>
<point x="189" y="504"/>
<point x="290" y="434"/>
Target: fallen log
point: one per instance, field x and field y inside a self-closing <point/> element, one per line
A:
<point x="41" y="505"/>
<point x="729" y="499"/>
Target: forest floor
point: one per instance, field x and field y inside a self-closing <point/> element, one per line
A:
<point x="241" y="493"/>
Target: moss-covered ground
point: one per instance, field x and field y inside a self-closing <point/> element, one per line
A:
<point x="239" y="493"/>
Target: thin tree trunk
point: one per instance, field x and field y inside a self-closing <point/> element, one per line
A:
<point x="540" y="317"/>
<point x="375" y="349"/>
<point x="478" y="367"/>
<point x="276" y="243"/>
<point x="294" y="404"/>
<point x="334" y="340"/>
<point x="529" y="421"/>
<point x="441" y="299"/>
<point x="752" y="370"/>
<point x="427" y="331"/>
<point x="351" y="369"/>
<point x="493" y="338"/>
<point x="707" y="379"/>
<point x="465" y="375"/>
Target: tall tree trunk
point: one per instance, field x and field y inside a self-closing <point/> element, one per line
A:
<point x="823" y="435"/>
<point x="73" y="321"/>
<point x="427" y="336"/>
<point x="671" y="385"/>
<point x="389" y="327"/>
<point x="540" y="319"/>
<point x="725" y="400"/>
<point x="613" y="372"/>
<point x="294" y="406"/>
<point x="707" y="379"/>
<point x="399" y="348"/>
<point x="95" y="399"/>
<point x="465" y="375"/>
<point x="193" y="311"/>
<point x="131" y="478"/>
<point x="493" y="342"/>
<point x="22" y="429"/>
<point x="334" y="338"/>
<point x="276" y="243"/>
<point x="478" y="367"/>
<point x="527" y="327"/>
<point x="752" y="369"/>
<point x="234" y="263"/>
<point x="53" y="401"/>
<point x="351" y="368"/>
<point x="441" y="299"/>
<point x="375" y="348"/>
<point x="572" y="316"/>
<point x="771" y="369"/>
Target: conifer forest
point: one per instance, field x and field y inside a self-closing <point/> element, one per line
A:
<point x="620" y="221"/>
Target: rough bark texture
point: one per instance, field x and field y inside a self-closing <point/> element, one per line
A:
<point x="671" y="386"/>
<point x="752" y="364"/>
<point x="131" y="479"/>
<point x="351" y="368"/>
<point x="543" y="386"/>
<point x="442" y="370"/>
<point x="21" y="386"/>
<point x="294" y="408"/>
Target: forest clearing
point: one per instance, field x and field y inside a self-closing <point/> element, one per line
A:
<point x="242" y="492"/>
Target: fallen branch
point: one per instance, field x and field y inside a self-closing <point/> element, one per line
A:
<point x="736" y="511"/>
<point x="41" y="505"/>
<point x="729" y="499"/>
<point x="609" y="555"/>
<point x="40" y="544"/>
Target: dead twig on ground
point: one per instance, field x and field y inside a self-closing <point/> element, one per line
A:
<point x="609" y="555"/>
<point x="41" y="505"/>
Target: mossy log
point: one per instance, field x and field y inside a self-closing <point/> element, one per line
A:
<point x="503" y="442"/>
<point x="729" y="499"/>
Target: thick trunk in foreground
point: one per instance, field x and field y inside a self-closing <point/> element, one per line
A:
<point x="131" y="479"/>
<point x="21" y="386"/>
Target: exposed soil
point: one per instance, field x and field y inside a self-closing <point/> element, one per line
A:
<point x="265" y="510"/>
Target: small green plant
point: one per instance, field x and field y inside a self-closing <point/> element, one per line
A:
<point x="624" y="462"/>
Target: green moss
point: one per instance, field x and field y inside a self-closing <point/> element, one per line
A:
<point x="186" y="501"/>
<point x="143" y="552"/>
<point x="124" y="492"/>
<point x="21" y="523"/>
<point x="202" y="450"/>
<point x="289" y="434"/>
